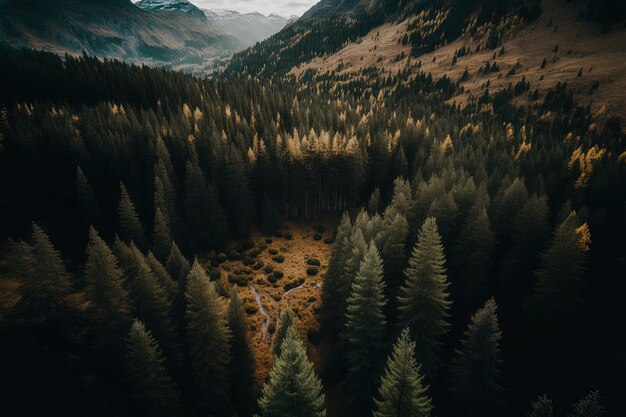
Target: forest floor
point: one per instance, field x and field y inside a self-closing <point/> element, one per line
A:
<point x="298" y="287"/>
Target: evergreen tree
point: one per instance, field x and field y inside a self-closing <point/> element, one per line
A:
<point x="177" y="265"/>
<point x="209" y="342"/>
<point x="356" y="253"/>
<point x="162" y="236"/>
<point x="131" y="228"/>
<point x="424" y="301"/>
<point x="373" y="205"/>
<point x="242" y="360"/>
<point x="391" y="241"/>
<point x="402" y="392"/>
<point x="105" y="289"/>
<point x="164" y="277"/>
<point x="89" y="207"/>
<point x="332" y="279"/>
<point x="45" y="279"/>
<point x="151" y="385"/>
<point x="560" y="280"/>
<point x="475" y="370"/>
<point x="365" y="330"/>
<point x="287" y="319"/>
<point x="542" y="407"/>
<point x="269" y="215"/>
<point x="293" y="389"/>
<point x="590" y="406"/>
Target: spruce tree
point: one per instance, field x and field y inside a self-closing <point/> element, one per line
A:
<point x="424" y="300"/>
<point x="242" y="361"/>
<point x="356" y="252"/>
<point x="177" y="265"/>
<point x="589" y="406"/>
<point x="89" y="207"/>
<point x="209" y="342"/>
<point x="365" y="330"/>
<point x="162" y="276"/>
<point x="131" y="228"/>
<point x="330" y="309"/>
<point x="391" y="241"/>
<point x="560" y="280"/>
<point x="105" y="290"/>
<point x="286" y="320"/>
<point x="475" y="371"/>
<point x="402" y="392"/>
<point x="46" y="281"/>
<point x="162" y="236"/>
<point x="542" y="407"/>
<point x="293" y="389"/>
<point x="151" y="385"/>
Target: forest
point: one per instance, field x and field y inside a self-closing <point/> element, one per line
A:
<point x="476" y="254"/>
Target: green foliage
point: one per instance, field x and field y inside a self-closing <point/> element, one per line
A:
<point x="151" y="385"/>
<point x="286" y="320"/>
<point x="424" y="301"/>
<point x="542" y="407"/>
<point x="131" y="228"/>
<point x="475" y="371"/>
<point x="242" y="361"/>
<point x="162" y="236"/>
<point x="209" y="342"/>
<point x="589" y="406"/>
<point x="105" y="289"/>
<point x="365" y="333"/>
<point x="293" y="389"/>
<point x="402" y="391"/>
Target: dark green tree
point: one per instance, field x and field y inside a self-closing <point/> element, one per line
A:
<point x="364" y="333"/>
<point x="151" y="385"/>
<point x="242" y="360"/>
<point x="402" y="392"/>
<point x="131" y="228"/>
<point x="164" y="277"/>
<point x="286" y="320"/>
<point x="424" y="300"/>
<point x="177" y="265"/>
<point x="162" y="235"/>
<point x="475" y="370"/>
<point x="89" y="207"/>
<point x="209" y="342"/>
<point x="105" y="290"/>
<point x="293" y="389"/>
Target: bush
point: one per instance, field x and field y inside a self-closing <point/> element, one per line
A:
<point x="271" y="279"/>
<point x="311" y="271"/>
<point x="278" y="259"/>
<point x="247" y="260"/>
<point x="268" y="241"/>
<point x="250" y="308"/>
<point x="221" y="257"/>
<point x="262" y="247"/>
<point x="233" y="255"/>
<point x="273" y="251"/>
<point x="278" y="274"/>
<point x="268" y="269"/>
<point x="313" y="262"/>
<point x="258" y="265"/>
<point x="288" y="236"/>
<point x="329" y="241"/>
<point x="214" y="275"/>
<point x="317" y="236"/>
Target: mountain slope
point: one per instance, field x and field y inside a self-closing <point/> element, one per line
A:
<point x="112" y="29"/>
<point x="247" y="28"/>
<point x="173" y="6"/>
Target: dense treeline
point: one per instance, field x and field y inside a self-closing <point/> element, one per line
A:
<point x="484" y="267"/>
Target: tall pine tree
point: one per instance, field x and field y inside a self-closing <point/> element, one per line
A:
<point x="424" y="300"/>
<point x="402" y="392"/>
<point x="293" y="389"/>
<point x="131" y="228"/>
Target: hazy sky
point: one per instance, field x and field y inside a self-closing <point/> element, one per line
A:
<point x="281" y="7"/>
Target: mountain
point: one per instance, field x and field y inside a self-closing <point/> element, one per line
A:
<point x="114" y="29"/>
<point x="175" y="6"/>
<point x="247" y="28"/>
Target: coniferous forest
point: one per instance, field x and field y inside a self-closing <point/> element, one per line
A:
<point x="457" y="260"/>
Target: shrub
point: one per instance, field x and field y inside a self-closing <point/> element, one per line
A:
<point x="329" y="241"/>
<point x="250" y="308"/>
<point x="288" y="236"/>
<point x="214" y="275"/>
<point x="233" y="255"/>
<point x="273" y="251"/>
<point x="268" y="269"/>
<point x="313" y="262"/>
<point x="247" y="260"/>
<point x="278" y="274"/>
<point x="221" y="257"/>
<point x="311" y="271"/>
<point x="278" y="259"/>
<point x="317" y="236"/>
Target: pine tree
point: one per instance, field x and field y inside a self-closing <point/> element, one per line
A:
<point x="365" y="330"/>
<point x="242" y="360"/>
<point x="332" y="279"/>
<point x="89" y="207"/>
<point x="424" y="301"/>
<point x="590" y="406"/>
<point x="356" y="252"/>
<point x="45" y="282"/>
<point x="151" y="385"/>
<point x="373" y="205"/>
<point x="131" y="228"/>
<point x="209" y="342"/>
<point x="271" y="220"/>
<point x="475" y="370"/>
<point x="162" y="275"/>
<point x="177" y="265"/>
<point x="391" y="241"/>
<point x="293" y="389"/>
<point x="162" y="236"/>
<point x="105" y="289"/>
<point x="473" y="253"/>
<point x="286" y="320"/>
<point x="560" y="280"/>
<point x="542" y="407"/>
<point x="402" y="392"/>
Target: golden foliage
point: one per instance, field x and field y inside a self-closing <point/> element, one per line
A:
<point x="584" y="237"/>
<point x="585" y="161"/>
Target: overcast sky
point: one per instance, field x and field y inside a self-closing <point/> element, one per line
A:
<point x="281" y="7"/>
